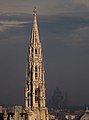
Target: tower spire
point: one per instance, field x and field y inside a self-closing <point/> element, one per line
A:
<point x="35" y="33"/>
<point x="34" y="17"/>
<point x="35" y="85"/>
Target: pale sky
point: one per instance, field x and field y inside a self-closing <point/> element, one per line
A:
<point x="44" y="6"/>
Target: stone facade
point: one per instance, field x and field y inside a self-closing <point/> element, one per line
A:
<point x="35" y="98"/>
<point x="35" y="107"/>
<point x="12" y="113"/>
<point x="85" y="115"/>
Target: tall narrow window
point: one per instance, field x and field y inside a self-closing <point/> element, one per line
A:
<point x="39" y="51"/>
<point x="36" y="51"/>
<point x="39" y="71"/>
<point x="36" y="71"/>
<point x="36" y="94"/>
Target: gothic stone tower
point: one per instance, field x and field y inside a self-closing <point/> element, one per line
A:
<point x="35" y="85"/>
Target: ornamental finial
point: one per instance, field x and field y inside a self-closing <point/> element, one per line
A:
<point x="35" y="10"/>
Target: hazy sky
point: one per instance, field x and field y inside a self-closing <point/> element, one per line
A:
<point x="44" y="7"/>
<point x="64" y="33"/>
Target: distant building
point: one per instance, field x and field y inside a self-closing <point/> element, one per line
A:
<point x="52" y="117"/>
<point x="35" y="106"/>
<point x="12" y="113"/>
<point x="86" y="115"/>
<point x="70" y="117"/>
